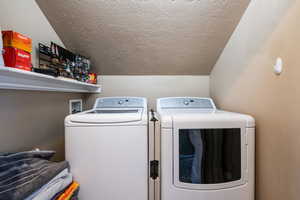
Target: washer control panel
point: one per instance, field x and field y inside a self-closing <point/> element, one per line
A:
<point x="120" y="102"/>
<point x="185" y="102"/>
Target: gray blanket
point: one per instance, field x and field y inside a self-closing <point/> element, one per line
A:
<point x="23" y="173"/>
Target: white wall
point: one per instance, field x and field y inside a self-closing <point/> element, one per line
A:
<point x="243" y="81"/>
<point x="27" y="18"/>
<point x="153" y="87"/>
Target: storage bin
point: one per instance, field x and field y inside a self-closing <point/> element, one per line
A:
<point x="16" y="40"/>
<point x="17" y="58"/>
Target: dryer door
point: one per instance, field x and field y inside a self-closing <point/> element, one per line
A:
<point x="209" y="157"/>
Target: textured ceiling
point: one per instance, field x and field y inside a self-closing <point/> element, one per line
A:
<point x="146" y="37"/>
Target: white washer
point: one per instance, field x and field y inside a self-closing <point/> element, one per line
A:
<point x="107" y="149"/>
<point x="206" y="154"/>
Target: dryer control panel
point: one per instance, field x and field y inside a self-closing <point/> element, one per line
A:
<point x="120" y="102"/>
<point x="185" y="102"/>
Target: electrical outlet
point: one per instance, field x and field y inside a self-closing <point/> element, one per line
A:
<point x="75" y="106"/>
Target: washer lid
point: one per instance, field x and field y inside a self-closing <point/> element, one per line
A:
<point x="108" y="116"/>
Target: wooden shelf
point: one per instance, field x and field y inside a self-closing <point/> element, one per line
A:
<point x="16" y="79"/>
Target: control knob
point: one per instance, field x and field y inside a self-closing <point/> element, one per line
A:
<point x="186" y="103"/>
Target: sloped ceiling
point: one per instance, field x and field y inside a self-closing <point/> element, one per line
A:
<point x="146" y="37"/>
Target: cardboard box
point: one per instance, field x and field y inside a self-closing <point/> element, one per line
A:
<point x="17" y="58"/>
<point x="16" y="40"/>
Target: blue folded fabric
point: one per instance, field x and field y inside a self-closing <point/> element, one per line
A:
<point x="58" y="184"/>
<point x="23" y="173"/>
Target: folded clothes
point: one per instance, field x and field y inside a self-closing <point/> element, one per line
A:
<point x="57" y="184"/>
<point x="24" y="173"/>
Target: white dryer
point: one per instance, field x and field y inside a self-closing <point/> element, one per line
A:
<point x="206" y="154"/>
<point x="107" y="149"/>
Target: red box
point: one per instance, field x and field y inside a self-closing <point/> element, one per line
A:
<point x="17" y="58"/>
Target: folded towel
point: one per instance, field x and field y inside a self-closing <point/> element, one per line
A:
<point x="57" y="184"/>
